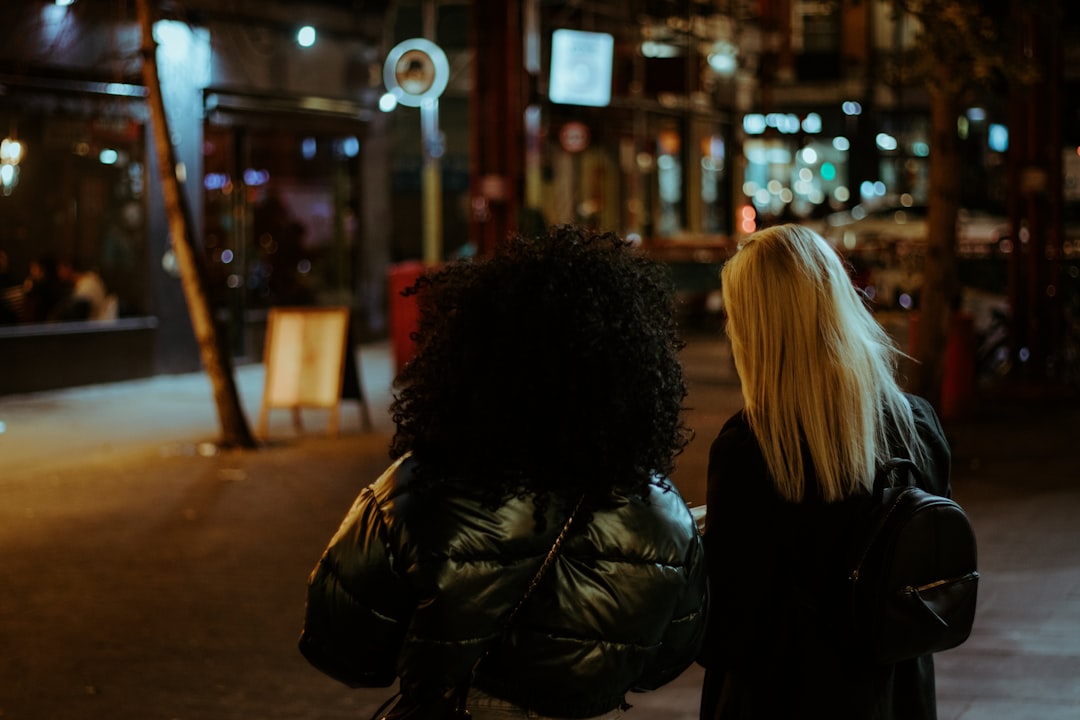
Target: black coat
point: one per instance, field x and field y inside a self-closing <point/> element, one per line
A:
<point x="774" y="646"/>
<point x="418" y="580"/>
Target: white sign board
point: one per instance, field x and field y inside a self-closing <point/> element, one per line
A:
<point x="305" y="361"/>
<point x="581" y="68"/>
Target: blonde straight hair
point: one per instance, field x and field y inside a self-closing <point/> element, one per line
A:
<point x="817" y="370"/>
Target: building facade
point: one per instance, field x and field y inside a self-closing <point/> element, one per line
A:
<point x="267" y="133"/>
<point x="682" y="123"/>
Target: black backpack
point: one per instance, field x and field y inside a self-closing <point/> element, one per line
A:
<point x="914" y="577"/>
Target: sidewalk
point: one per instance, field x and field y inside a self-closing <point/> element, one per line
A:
<point x="1015" y="472"/>
<point x="148" y="574"/>
<point x="166" y="414"/>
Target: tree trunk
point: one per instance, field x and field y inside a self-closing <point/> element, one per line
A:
<point x="235" y="431"/>
<point x="940" y="289"/>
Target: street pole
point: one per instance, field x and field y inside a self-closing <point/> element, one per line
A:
<point x="432" y="151"/>
<point x="432" y="181"/>
<point x="416" y="72"/>
<point x="533" y="174"/>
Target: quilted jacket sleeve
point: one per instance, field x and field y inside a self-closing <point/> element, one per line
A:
<point x="357" y="605"/>
<point x="685" y="632"/>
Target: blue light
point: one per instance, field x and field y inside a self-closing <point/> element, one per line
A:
<point x="998" y="137"/>
<point x="850" y="107"/>
<point x="254" y="178"/>
<point x="215" y="181"/>
<point x="885" y="141"/>
<point x="350" y="147"/>
<point x="753" y="123"/>
<point x="388" y="101"/>
<point x="305" y="37"/>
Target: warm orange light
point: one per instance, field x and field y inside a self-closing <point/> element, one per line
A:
<point x="668" y="142"/>
<point x="747" y="219"/>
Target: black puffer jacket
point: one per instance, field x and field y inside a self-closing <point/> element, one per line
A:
<point x="418" y="580"/>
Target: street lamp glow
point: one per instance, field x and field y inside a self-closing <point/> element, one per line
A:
<point x="997" y="137"/>
<point x="305" y="37"/>
<point x="753" y="123"/>
<point x="11" y="151"/>
<point x="850" y="107"/>
<point x="723" y="58"/>
<point x="886" y="142"/>
<point x="388" y="102"/>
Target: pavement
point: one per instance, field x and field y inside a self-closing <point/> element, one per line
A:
<point x="147" y="573"/>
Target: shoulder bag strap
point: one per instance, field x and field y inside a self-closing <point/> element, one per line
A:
<point x="461" y="693"/>
<point x="544" y="566"/>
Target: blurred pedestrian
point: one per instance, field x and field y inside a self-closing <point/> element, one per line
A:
<point x="6" y="278"/>
<point x="546" y="379"/>
<point x="788" y="476"/>
<point x="44" y="290"/>
<point x="11" y="293"/>
<point x="88" y="299"/>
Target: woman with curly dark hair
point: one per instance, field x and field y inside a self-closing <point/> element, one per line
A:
<point x="525" y="555"/>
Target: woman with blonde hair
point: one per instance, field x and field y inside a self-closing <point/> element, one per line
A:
<point x="787" y="476"/>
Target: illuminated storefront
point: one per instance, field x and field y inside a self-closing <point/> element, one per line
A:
<point x="83" y="191"/>
<point x="799" y="166"/>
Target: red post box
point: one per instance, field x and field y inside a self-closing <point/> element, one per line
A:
<point x="958" y="382"/>
<point x="404" y="311"/>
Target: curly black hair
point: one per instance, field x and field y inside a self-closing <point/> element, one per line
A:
<point x="550" y="367"/>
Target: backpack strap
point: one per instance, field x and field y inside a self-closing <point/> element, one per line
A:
<point x="896" y="472"/>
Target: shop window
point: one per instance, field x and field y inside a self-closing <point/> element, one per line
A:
<point x="669" y="177"/>
<point x="73" y="226"/>
<point x="713" y="207"/>
<point x="280" y="216"/>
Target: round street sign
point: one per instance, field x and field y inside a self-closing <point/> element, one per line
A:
<point x="574" y="136"/>
<point x="415" y="71"/>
